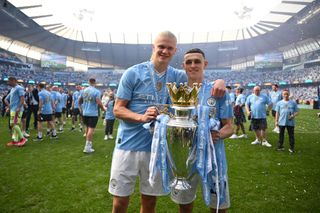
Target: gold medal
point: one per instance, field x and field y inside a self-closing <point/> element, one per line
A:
<point x="159" y="85"/>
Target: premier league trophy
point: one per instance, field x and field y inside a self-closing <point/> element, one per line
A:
<point x="181" y="131"/>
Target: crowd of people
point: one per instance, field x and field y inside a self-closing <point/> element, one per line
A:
<point x="260" y="77"/>
<point x="303" y="94"/>
<point x="53" y="105"/>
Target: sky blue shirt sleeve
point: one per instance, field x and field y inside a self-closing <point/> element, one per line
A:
<point x="126" y="84"/>
<point x="98" y="94"/>
<point x="243" y="99"/>
<point x="181" y="76"/>
<point x="224" y="108"/>
<point x="232" y="97"/>
<point x="268" y="100"/>
<point x="277" y="108"/>
<point x="21" y="91"/>
<point x="248" y="100"/>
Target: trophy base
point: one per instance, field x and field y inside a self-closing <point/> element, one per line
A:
<point x="180" y="184"/>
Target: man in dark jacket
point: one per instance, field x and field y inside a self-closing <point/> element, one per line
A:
<point x="33" y="106"/>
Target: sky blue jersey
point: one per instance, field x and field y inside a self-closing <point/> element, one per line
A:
<point x="257" y="105"/>
<point x="285" y="109"/>
<point x="14" y="97"/>
<point x="89" y="105"/>
<point x="142" y="88"/>
<point x="45" y="98"/>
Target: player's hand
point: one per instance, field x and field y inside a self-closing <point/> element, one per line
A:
<point x="18" y="110"/>
<point x="149" y="115"/>
<point x="215" y="136"/>
<point x="219" y="89"/>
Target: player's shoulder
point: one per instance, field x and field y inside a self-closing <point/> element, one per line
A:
<point x="138" y="67"/>
<point x="280" y="102"/>
<point x="293" y="102"/>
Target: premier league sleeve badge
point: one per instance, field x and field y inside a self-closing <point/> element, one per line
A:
<point x="211" y="102"/>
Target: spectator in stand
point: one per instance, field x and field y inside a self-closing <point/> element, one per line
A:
<point x="275" y="96"/>
<point x="286" y="111"/>
<point x="256" y="109"/>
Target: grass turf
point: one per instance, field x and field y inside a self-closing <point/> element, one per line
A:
<point x="55" y="176"/>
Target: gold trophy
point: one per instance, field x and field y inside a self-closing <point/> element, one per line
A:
<point x="181" y="131"/>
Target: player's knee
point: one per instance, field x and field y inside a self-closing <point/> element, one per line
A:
<point x="186" y="208"/>
<point x="148" y="202"/>
<point x="120" y="204"/>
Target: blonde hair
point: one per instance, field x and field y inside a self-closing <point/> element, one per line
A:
<point x="167" y="34"/>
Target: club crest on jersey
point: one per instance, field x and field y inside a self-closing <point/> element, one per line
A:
<point x="211" y="102"/>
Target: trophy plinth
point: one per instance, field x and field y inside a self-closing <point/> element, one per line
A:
<point x="181" y="129"/>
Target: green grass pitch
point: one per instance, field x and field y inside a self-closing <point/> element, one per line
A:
<point x="56" y="176"/>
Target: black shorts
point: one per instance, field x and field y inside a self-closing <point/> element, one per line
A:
<point x="259" y="124"/>
<point x="64" y="110"/>
<point x="24" y="114"/>
<point x="273" y="113"/>
<point x="57" y="114"/>
<point x="44" y="117"/>
<point x="239" y="118"/>
<point x="90" y="121"/>
<point x="76" y="112"/>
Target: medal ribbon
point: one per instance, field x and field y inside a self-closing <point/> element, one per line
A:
<point x="156" y="94"/>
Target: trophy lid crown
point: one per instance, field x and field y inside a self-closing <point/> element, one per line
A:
<point x="184" y="96"/>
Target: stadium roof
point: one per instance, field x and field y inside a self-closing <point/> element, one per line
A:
<point x="119" y="33"/>
<point x="137" y="22"/>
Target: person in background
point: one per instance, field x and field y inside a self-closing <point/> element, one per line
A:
<point x="59" y="105"/>
<point x="45" y="113"/>
<point x="89" y="101"/>
<point x="69" y="104"/>
<point x="75" y="109"/>
<point x="232" y="95"/>
<point x="109" y="117"/>
<point x="275" y="96"/>
<point x="33" y="107"/>
<point x="53" y="100"/>
<point x="256" y="108"/>
<point x="239" y="116"/>
<point x="26" y="106"/>
<point x="64" y="105"/>
<point x="14" y="102"/>
<point x="286" y="111"/>
<point x="3" y="112"/>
